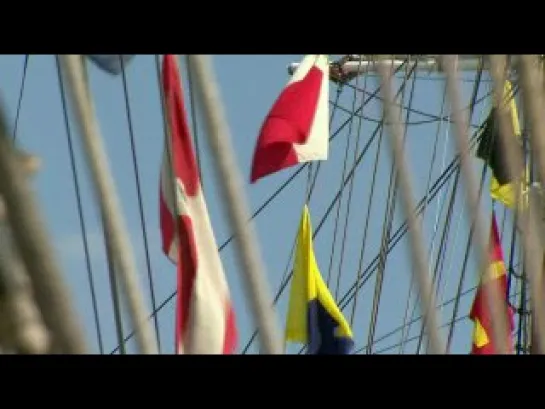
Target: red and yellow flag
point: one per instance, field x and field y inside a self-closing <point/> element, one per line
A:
<point x="483" y="342"/>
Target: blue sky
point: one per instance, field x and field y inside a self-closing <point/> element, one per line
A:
<point x="249" y="85"/>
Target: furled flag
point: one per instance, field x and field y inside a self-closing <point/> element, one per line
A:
<point x="296" y="130"/>
<point x="491" y="151"/>
<point x="205" y="320"/>
<point x="313" y="316"/>
<point x="111" y="63"/>
<point x="483" y="342"/>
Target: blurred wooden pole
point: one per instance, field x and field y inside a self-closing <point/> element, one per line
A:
<point x="533" y="326"/>
<point x="114" y="223"/>
<point x="37" y="252"/>
<point x="233" y="195"/>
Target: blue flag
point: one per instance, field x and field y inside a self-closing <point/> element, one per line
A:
<point x="111" y="63"/>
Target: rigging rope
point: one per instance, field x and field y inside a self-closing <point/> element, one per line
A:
<point x="349" y="138"/>
<point x="414" y="320"/>
<point x="450" y="333"/>
<point x="351" y="186"/>
<point x="439" y="260"/>
<point x="21" y="93"/>
<point x="352" y="174"/>
<point x="366" y="227"/>
<point x="402" y="230"/>
<point x="424" y="212"/>
<point x="387" y="225"/>
<point x="139" y="199"/>
<point x="432" y="117"/>
<point x="470" y="238"/>
<point x="287" y="182"/>
<point x="79" y="205"/>
<point x="446" y="227"/>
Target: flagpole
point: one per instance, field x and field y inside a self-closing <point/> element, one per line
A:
<point x="109" y="203"/>
<point x="226" y="166"/>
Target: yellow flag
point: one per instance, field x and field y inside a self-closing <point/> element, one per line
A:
<point x="313" y="316"/>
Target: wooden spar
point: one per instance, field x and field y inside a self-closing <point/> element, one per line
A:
<point x="353" y="64"/>
<point x="425" y="63"/>
<point x="22" y="329"/>
<point x="36" y="251"/>
<point x="106" y="193"/>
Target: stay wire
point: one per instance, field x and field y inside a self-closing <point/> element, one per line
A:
<point x="387" y="225"/>
<point x="139" y="200"/>
<point x="366" y="226"/>
<point x="451" y="322"/>
<point x="439" y="260"/>
<point x="341" y="189"/>
<point x="472" y="230"/>
<point x="79" y="206"/>
<point x="512" y="255"/>
<point x="351" y="185"/>
<point x="450" y="333"/>
<point x="447" y="118"/>
<point x="414" y="320"/>
<point x="21" y="93"/>
<point x="446" y="228"/>
<point x="424" y="212"/>
<point x="402" y="230"/>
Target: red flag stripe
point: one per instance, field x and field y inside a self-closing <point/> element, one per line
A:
<point x="205" y="321"/>
<point x="496" y="252"/>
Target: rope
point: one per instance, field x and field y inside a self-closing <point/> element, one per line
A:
<point x="341" y="187"/>
<point x="277" y="192"/>
<point x="21" y="93"/>
<point x="400" y="92"/>
<point x="387" y="226"/>
<point x="433" y="117"/>
<point x="350" y="187"/>
<point x="79" y="205"/>
<point x="428" y="181"/>
<point x="139" y="200"/>
<point x="402" y="230"/>
<point x="389" y="334"/>
<point x="473" y="221"/>
<point x="366" y="226"/>
<point x="436" y="280"/>
<point x="109" y="204"/>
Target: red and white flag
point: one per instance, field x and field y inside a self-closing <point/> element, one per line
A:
<point x="296" y="130"/>
<point x="205" y="320"/>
